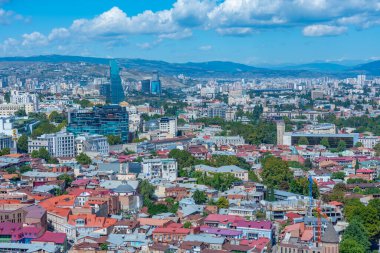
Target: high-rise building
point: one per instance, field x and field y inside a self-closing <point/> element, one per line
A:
<point x="103" y="120"/>
<point x="155" y="84"/>
<point x="117" y="92"/>
<point x="58" y="144"/>
<point x="145" y="86"/>
<point x="280" y="132"/>
<point x="168" y="126"/>
<point x="105" y="91"/>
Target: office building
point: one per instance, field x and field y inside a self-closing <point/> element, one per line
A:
<point x="104" y="120"/>
<point x="22" y="98"/>
<point x="105" y="91"/>
<point x="117" y="92"/>
<point x="10" y="109"/>
<point x="145" y="86"/>
<point x="160" y="168"/>
<point x="280" y="132"/>
<point x="6" y="127"/>
<point x="92" y="143"/>
<point x="290" y="138"/>
<point x="6" y="142"/>
<point x="155" y="84"/>
<point x="168" y="127"/>
<point x="217" y="110"/>
<point x="58" y="144"/>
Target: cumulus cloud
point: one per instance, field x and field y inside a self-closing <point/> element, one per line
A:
<point x="323" y="30"/>
<point x="34" y="39"/>
<point x="7" y="17"/>
<point x="226" y="17"/>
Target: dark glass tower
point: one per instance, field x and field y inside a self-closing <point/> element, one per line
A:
<point x="104" y="120"/>
<point x="117" y="93"/>
<point x="155" y="84"/>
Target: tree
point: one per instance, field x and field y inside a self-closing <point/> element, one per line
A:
<point x="275" y="172"/>
<point x="222" y="202"/>
<point x="56" y="117"/>
<point x="308" y="164"/>
<point x="83" y="159"/>
<point x="103" y="246"/>
<point x="22" y="144"/>
<point x="7" y="97"/>
<point x="67" y="178"/>
<point x="146" y="190"/>
<point x="325" y="142"/>
<point x="303" y="141"/>
<point x="350" y="245"/>
<point x="252" y="176"/>
<point x="358" y="144"/>
<point x="377" y="149"/>
<point x="114" y="139"/>
<point x="20" y="113"/>
<point x="338" y="175"/>
<point x="183" y="157"/>
<point x="187" y="224"/>
<point x="301" y="186"/>
<point x="41" y="153"/>
<point x="199" y="197"/>
<point x="341" y="146"/>
<point x="356" y="165"/>
<point x="5" y="151"/>
<point x="357" y="232"/>
<point x="24" y="168"/>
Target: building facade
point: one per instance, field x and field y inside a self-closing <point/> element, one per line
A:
<point x="58" y="144"/>
<point x="160" y="168"/>
<point x="103" y="120"/>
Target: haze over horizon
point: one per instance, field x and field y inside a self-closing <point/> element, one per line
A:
<point x="252" y="32"/>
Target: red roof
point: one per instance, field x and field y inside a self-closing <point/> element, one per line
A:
<point x="58" y="238"/>
<point x="221" y="218"/>
<point x="169" y="230"/>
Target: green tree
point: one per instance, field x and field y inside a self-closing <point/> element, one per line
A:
<point x="104" y="246"/>
<point x="146" y="190"/>
<point x="83" y="159"/>
<point x="303" y="141"/>
<point x="377" y="149"/>
<point x="7" y="97"/>
<point x="199" y="197"/>
<point x="114" y="139"/>
<point x="338" y="175"/>
<point x="43" y="154"/>
<point x="357" y="232"/>
<point x="301" y="186"/>
<point x="22" y="144"/>
<point x="325" y="142"/>
<point x="357" y="164"/>
<point x="358" y="144"/>
<point x="350" y="245"/>
<point x="252" y="176"/>
<point x="56" y="117"/>
<point x="341" y="146"/>
<point x="308" y="164"/>
<point x="183" y="157"/>
<point x="276" y="172"/>
<point x="67" y="178"/>
<point x="5" y="151"/>
<point x="187" y="224"/>
<point x="20" y="113"/>
<point x="222" y="202"/>
<point x="24" y="168"/>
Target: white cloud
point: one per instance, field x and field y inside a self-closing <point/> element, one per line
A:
<point x="34" y="39"/>
<point x="235" y="31"/>
<point x="323" y="30"/>
<point x="59" y="34"/>
<point x="205" y="47"/>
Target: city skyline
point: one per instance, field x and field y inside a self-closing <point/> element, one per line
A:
<point x="250" y="32"/>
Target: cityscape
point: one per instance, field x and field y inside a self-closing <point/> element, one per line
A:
<point x="189" y="126"/>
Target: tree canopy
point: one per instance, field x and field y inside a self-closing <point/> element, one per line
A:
<point x="276" y="173"/>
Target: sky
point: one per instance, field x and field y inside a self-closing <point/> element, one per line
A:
<point x="255" y="32"/>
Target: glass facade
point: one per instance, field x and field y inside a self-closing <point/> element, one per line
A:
<point x="104" y="120"/>
<point x="155" y="87"/>
<point x="117" y="92"/>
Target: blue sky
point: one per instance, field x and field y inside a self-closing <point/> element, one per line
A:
<point x="256" y="32"/>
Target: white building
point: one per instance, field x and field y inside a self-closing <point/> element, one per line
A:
<point x="21" y="97"/>
<point x="6" y="127"/>
<point x="168" y="127"/>
<point x="10" y="109"/>
<point x="92" y="143"/>
<point x="58" y="144"/>
<point x="369" y="141"/>
<point x="160" y="168"/>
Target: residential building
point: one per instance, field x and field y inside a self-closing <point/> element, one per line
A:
<point x="168" y="127"/>
<point x="160" y="168"/>
<point x="58" y="144"/>
<point x="92" y="143"/>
